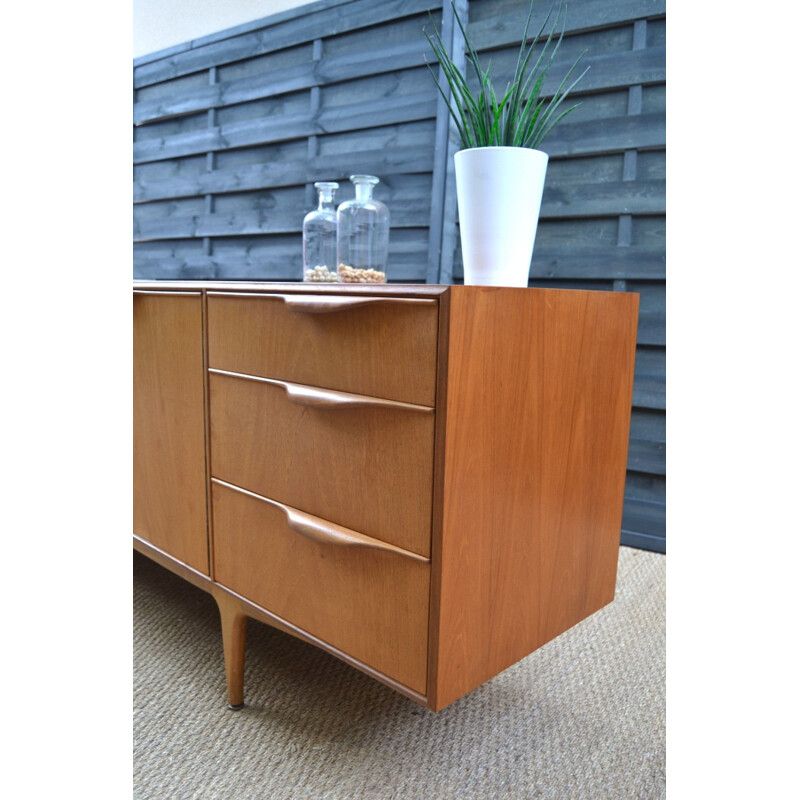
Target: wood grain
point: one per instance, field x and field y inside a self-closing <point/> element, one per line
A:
<point x="312" y="397"/>
<point x="324" y="532"/>
<point x="169" y="467"/>
<point x="368" y="469"/>
<point x="538" y="410"/>
<point x="386" y="350"/>
<point x="373" y="605"/>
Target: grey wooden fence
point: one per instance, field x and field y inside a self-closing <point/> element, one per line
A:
<point x="231" y="131"/>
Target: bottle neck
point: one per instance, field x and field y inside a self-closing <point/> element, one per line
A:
<point x="325" y="202"/>
<point x="364" y="192"/>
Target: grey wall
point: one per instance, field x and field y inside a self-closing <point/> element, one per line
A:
<point x="232" y="130"/>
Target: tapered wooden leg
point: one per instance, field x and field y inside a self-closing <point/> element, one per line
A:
<point x="234" y="626"/>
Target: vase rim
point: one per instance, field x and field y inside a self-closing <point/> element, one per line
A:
<point x="500" y="147"/>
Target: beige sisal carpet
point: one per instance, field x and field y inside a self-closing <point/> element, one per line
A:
<point x="583" y="718"/>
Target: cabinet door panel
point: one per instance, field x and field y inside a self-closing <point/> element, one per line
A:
<point x="169" y="473"/>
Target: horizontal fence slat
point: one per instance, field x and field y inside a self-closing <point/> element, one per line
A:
<point x="608" y="135"/>
<point x="652" y="328"/>
<point x="617" y="263"/>
<point x="644" y="516"/>
<point x="280" y="173"/>
<point x="643" y="541"/>
<point x="281" y="128"/>
<point x="386" y="111"/>
<point x="272" y="265"/>
<point x="606" y="72"/>
<point x="603" y="199"/>
<point x="404" y="243"/>
<point x="649" y="391"/>
<point x="403" y="214"/>
<point x="604" y="263"/>
<point x="261" y="271"/>
<point x="492" y="29"/>
<point x="603" y="72"/>
<point x="256" y="131"/>
<point x="648" y="425"/>
<point x="647" y="456"/>
<point x="217" y="95"/>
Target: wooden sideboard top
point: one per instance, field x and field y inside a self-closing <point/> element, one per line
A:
<point x="393" y="289"/>
<point x="380" y="289"/>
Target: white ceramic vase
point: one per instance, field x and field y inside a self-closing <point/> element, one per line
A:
<point x="499" y="196"/>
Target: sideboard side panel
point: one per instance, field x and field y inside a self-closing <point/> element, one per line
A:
<point x="538" y="415"/>
<point x="169" y="459"/>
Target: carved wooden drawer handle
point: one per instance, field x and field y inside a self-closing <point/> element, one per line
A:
<point x="326" y="304"/>
<point x="324" y="532"/>
<point x="326" y="398"/>
<point x="322" y="304"/>
<point x="160" y="292"/>
<point x="312" y="397"/>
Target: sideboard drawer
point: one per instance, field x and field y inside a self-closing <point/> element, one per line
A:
<point x="380" y="346"/>
<point x="357" y="461"/>
<point x="369" y="603"/>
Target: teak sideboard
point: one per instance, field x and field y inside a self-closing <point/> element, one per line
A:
<point x="425" y="481"/>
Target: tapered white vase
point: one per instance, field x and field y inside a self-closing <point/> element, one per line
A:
<point x="499" y="196"/>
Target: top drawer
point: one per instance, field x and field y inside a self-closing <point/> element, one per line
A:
<point x="378" y="346"/>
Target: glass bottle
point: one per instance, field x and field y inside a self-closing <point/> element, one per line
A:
<point x="362" y="234"/>
<point x="319" y="237"/>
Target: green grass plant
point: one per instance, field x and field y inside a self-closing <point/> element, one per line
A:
<point x="522" y="116"/>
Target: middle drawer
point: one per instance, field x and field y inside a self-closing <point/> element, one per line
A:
<point x="360" y="462"/>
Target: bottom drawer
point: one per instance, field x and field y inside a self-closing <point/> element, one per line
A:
<point x="370" y="603"/>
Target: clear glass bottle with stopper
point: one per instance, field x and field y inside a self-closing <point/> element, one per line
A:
<point x="363" y="234"/>
<point x="319" y="237"/>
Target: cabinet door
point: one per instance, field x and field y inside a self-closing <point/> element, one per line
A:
<point x="169" y="459"/>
